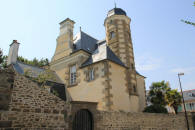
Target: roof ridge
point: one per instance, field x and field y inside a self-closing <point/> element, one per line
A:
<point x="87" y="35"/>
<point x="30" y="65"/>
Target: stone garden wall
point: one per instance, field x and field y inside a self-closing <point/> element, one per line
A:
<point x="141" y="121"/>
<point x="6" y="84"/>
<point x="29" y="106"/>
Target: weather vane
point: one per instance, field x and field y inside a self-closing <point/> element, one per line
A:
<point x="115" y="4"/>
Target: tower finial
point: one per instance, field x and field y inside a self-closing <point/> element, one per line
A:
<point x="80" y="28"/>
<point x="114" y="4"/>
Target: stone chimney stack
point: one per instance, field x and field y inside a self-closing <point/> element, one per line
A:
<point x="66" y="28"/>
<point x="13" y="52"/>
<point x="64" y="45"/>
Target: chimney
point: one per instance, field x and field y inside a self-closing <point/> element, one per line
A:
<point x="13" y="52"/>
<point x="66" y="28"/>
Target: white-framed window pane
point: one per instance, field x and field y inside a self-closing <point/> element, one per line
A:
<point x="91" y="74"/>
<point x="73" y="74"/>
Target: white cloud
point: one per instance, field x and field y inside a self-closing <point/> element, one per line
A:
<point x="186" y="70"/>
<point x="148" y="63"/>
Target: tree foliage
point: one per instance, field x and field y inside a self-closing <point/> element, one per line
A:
<point x="173" y="99"/>
<point x="155" y="109"/>
<point x="188" y="22"/>
<point x="1" y="56"/>
<point x="3" y="60"/>
<point x="158" y="91"/>
<point x="40" y="77"/>
<point x="160" y="95"/>
<point x="34" y="62"/>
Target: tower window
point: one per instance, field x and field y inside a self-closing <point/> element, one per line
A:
<point x="112" y="35"/>
<point x="73" y="74"/>
<point x="128" y="34"/>
<point x="134" y="89"/>
<point x="91" y="74"/>
<point x="111" y="22"/>
<point x="132" y="66"/>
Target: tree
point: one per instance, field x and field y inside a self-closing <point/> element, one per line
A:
<point x="34" y="62"/>
<point x="1" y="56"/>
<point x="3" y="60"/>
<point x="158" y="91"/>
<point x="188" y="22"/>
<point x="41" y="77"/>
<point x="173" y="98"/>
<point x="155" y="109"/>
<point x="160" y="95"/>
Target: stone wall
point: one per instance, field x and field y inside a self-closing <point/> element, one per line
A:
<point x="141" y="121"/>
<point x="31" y="107"/>
<point x="6" y="84"/>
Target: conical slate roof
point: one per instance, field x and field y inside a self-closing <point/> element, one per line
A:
<point x="116" y="11"/>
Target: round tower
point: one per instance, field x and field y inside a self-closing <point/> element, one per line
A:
<point x="118" y="38"/>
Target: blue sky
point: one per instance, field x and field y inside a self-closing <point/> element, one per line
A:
<point x="163" y="45"/>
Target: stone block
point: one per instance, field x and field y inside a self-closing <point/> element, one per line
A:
<point x="4" y="124"/>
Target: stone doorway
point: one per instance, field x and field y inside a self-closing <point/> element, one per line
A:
<point x="83" y="120"/>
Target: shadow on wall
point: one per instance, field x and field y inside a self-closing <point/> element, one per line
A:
<point x="6" y="85"/>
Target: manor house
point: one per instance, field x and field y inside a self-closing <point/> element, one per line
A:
<point x="93" y="70"/>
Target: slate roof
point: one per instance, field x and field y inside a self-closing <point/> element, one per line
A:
<point x="103" y="52"/>
<point x="83" y="41"/>
<point x="116" y="11"/>
<point x="21" y="68"/>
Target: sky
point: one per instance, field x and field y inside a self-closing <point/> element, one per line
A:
<point x="163" y="45"/>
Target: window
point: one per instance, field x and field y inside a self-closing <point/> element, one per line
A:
<point x="128" y="34"/>
<point x="91" y="74"/>
<point x="134" y="89"/>
<point x="111" y="35"/>
<point x="191" y="94"/>
<point x="73" y="74"/>
<point x="132" y="66"/>
<point x="111" y="22"/>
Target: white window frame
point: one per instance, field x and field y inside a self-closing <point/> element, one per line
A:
<point x="73" y="74"/>
<point x="91" y="74"/>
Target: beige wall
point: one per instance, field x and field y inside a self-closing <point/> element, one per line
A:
<point x="91" y="91"/>
<point x="141" y="92"/>
<point x="108" y="89"/>
<point x="118" y="90"/>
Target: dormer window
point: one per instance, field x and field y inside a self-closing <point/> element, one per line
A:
<point x="73" y="74"/>
<point x="91" y="74"/>
<point x="112" y="35"/>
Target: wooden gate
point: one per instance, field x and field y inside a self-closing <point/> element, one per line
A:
<point x="83" y="120"/>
